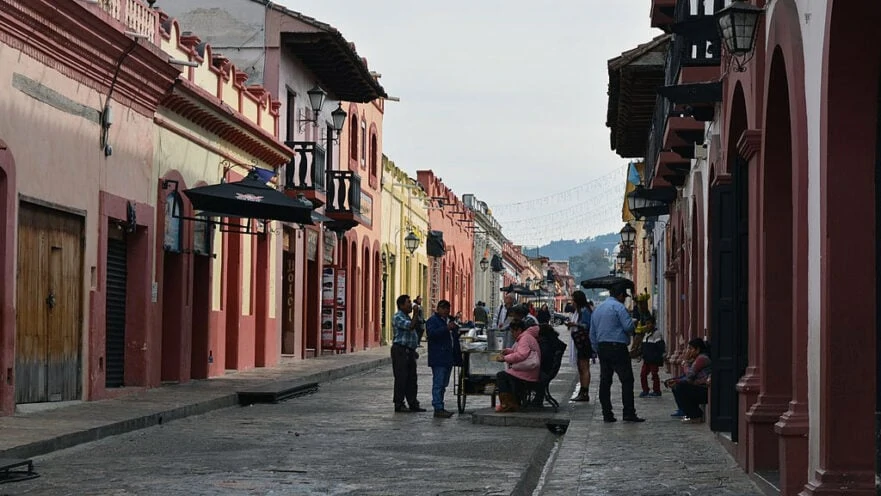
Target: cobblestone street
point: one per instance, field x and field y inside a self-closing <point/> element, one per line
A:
<point x="346" y="440"/>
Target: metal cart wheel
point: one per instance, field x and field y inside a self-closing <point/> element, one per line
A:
<point x="460" y="389"/>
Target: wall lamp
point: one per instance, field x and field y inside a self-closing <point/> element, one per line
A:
<point x="737" y="25"/>
<point x="411" y="242"/>
<point x="484" y="264"/>
<point x="316" y="102"/>
<point x="628" y="235"/>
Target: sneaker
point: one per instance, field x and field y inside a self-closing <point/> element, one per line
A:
<point x="442" y="414"/>
<point x="401" y="409"/>
<point x="644" y="394"/>
<point x="655" y="394"/>
<point x="633" y="418"/>
<point x="695" y="420"/>
<point x="417" y="409"/>
<point x="678" y="413"/>
<point x="609" y="420"/>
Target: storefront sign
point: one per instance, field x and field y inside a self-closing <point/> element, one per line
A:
<point x="340" y="335"/>
<point x="311" y="245"/>
<point x="327" y="293"/>
<point x="327" y="327"/>
<point x="329" y="247"/>
<point x="367" y="209"/>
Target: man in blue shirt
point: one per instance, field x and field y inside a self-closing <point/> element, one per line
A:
<point x="443" y="352"/>
<point x="610" y="330"/>
<point x="404" y="357"/>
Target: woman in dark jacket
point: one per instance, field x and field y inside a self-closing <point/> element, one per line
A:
<point x="544" y="315"/>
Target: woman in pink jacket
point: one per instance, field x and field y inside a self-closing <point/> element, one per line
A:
<point x="523" y="366"/>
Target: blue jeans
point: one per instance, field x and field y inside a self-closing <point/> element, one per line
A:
<point x="440" y="378"/>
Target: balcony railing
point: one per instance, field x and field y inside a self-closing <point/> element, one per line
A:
<point x="656" y="135"/>
<point x="343" y="192"/>
<point x="307" y="169"/>
<point x="137" y="16"/>
<point x="695" y="42"/>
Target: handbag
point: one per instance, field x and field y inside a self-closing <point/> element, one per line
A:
<point x="531" y="362"/>
<point x="581" y="338"/>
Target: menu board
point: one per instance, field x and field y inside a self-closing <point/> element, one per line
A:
<point x="327" y="280"/>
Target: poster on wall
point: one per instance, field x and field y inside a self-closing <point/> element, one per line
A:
<point x="340" y="334"/>
<point x="327" y="327"/>
<point x="341" y="288"/>
<point x="327" y="293"/>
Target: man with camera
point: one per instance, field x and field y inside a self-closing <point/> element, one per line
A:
<point x="404" y="357"/>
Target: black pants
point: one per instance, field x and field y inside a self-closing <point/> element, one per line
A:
<point x="507" y="383"/>
<point x="689" y="398"/>
<point x="404" y="369"/>
<point x="614" y="358"/>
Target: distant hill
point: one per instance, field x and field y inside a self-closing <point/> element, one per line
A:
<point x="564" y="249"/>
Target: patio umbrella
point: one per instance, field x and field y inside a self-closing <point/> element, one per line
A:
<point x="607" y="282"/>
<point x="249" y="198"/>
<point x="516" y="289"/>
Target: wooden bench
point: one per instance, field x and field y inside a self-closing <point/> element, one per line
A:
<point x="13" y="470"/>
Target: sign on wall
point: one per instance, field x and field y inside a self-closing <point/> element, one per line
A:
<point x="367" y="209"/>
<point x="311" y="245"/>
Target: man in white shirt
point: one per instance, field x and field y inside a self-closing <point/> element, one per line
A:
<point x="501" y="321"/>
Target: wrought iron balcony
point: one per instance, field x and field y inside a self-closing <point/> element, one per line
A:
<point x="306" y="171"/>
<point x="695" y="42"/>
<point x="343" y="192"/>
<point x="663" y="107"/>
<point x="343" y="200"/>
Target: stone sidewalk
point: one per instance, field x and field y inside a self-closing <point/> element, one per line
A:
<point x="659" y="457"/>
<point x="32" y="434"/>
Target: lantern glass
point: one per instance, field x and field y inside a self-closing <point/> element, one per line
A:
<point x="339" y="118"/>
<point x="737" y="26"/>
<point x="316" y="98"/>
<point x="484" y="264"/>
<point x="411" y="242"/>
<point x="628" y="235"/>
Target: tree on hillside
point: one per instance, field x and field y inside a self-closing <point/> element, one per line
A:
<point x="589" y="264"/>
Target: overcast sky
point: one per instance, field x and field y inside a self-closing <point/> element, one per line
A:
<point x="505" y="99"/>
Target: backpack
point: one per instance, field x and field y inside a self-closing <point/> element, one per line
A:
<point x="552" y="351"/>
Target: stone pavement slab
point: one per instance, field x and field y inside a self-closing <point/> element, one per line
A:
<point x="31" y="434"/>
<point x="660" y="456"/>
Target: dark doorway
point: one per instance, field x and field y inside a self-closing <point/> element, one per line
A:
<point x="878" y="293"/>
<point x="115" y="296"/>
<point x="201" y="311"/>
<point x="729" y="241"/>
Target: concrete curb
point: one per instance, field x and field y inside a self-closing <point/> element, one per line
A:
<point x="72" y="439"/>
<point x="531" y="477"/>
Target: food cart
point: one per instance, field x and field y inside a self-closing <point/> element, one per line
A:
<point x="477" y="374"/>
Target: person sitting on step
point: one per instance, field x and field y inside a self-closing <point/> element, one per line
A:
<point x="523" y="362"/>
<point x="690" y="390"/>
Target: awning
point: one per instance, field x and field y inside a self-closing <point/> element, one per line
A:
<point x="607" y="282"/>
<point x="249" y="198"/>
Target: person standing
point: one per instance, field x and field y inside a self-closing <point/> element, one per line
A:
<point x="610" y="330"/>
<point x="544" y="314"/>
<point x="502" y="316"/>
<point x="480" y="316"/>
<point x="443" y="352"/>
<point x="419" y="318"/>
<point x="404" y="356"/>
<point x="653" y="349"/>
<point x="580" y="332"/>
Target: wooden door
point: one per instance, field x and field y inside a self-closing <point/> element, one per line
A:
<point x="49" y="306"/>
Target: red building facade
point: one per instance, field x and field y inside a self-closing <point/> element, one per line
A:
<point x="449" y="215"/>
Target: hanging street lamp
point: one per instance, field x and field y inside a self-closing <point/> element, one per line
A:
<point x="411" y="242"/>
<point x="738" y="25"/>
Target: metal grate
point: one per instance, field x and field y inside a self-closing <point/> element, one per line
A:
<point x="115" y="294"/>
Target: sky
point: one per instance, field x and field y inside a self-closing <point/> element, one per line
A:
<point x="505" y="99"/>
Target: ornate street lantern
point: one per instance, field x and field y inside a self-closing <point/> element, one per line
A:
<point x="738" y="25"/>
<point x="628" y="235"/>
<point x="484" y="264"/>
<point x="411" y="242"/>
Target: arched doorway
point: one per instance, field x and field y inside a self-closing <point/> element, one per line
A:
<point x="848" y="252"/>
<point x="175" y="334"/>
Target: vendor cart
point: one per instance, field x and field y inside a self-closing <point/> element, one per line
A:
<point x="476" y="375"/>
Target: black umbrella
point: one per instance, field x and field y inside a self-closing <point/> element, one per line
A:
<point x="249" y="198"/>
<point x="607" y="282"/>
<point x="517" y="289"/>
